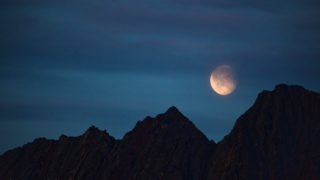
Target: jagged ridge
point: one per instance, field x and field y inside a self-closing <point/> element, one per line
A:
<point x="277" y="138"/>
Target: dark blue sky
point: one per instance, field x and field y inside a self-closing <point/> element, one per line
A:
<point x="69" y="64"/>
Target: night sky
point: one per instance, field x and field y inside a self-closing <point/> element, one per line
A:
<point x="69" y="64"/>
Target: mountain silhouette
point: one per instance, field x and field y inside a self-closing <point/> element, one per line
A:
<point x="278" y="138"/>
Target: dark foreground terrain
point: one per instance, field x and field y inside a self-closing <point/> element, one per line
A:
<point x="278" y="138"/>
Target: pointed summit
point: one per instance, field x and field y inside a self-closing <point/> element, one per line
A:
<point x="92" y="131"/>
<point x="92" y="128"/>
<point x="171" y="120"/>
<point x="173" y="109"/>
<point x="172" y="115"/>
<point x="93" y="134"/>
<point x="171" y="139"/>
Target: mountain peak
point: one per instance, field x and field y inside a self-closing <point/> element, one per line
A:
<point x="272" y="136"/>
<point x="276" y="139"/>
<point x="92" y="128"/>
<point x="172" y="115"/>
<point x="163" y="144"/>
<point x="172" y="123"/>
<point x="282" y="91"/>
<point x="173" y="109"/>
<point x="285" y="88"/>
<point x="173" y="112"/>
<point x="95" y="134"/>
<point x="171" y="118"/>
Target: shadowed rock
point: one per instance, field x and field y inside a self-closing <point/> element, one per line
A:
<point x="276" y="139"/>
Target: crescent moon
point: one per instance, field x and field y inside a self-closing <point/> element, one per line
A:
<point x="222" y="80"/>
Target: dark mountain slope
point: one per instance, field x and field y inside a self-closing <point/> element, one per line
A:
<point x="277" y="138"/>
<point x="168" y="146"/>
<point x="69" y="157"/>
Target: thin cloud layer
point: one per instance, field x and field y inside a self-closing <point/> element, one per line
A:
<point x="93" y="61"/>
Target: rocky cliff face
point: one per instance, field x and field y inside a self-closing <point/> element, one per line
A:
<point x="168" y="146"/>
<point x="67" y="158"/>
<point x="277" y="138"/>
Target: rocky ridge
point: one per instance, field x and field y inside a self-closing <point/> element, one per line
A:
<point x="277" y="138"/>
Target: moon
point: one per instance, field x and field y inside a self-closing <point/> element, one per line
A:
<point x="222" y="80"/>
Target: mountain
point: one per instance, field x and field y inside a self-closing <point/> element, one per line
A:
<point x="69" y="157"/>
<point x="168" y="146"/>
<point x="276" y="139"/>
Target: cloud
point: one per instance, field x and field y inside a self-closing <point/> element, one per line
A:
<point x="68" y="64"/>
<point x="44" y="43"/>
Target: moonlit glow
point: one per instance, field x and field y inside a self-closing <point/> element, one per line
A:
<point x="222" y="80"/>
